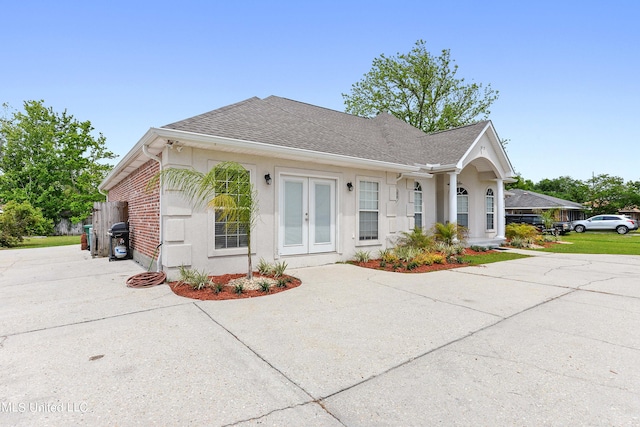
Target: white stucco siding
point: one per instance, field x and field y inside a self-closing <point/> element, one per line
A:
<point x="196" y="225"/>
<point x="477" y="188"/>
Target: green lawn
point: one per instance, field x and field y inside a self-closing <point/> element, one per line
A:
<point x="488" y="258"/>
<point x="44" y="242"/>
<point x="598" y="243"/>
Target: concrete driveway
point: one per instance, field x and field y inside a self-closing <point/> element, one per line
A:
<point x="547" y="340"/>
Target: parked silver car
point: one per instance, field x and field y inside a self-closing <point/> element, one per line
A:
<point x="619" y="223"/>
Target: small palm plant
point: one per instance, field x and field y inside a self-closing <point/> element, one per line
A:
<point x="226" y="189"/>
<point x="449" y="233"/>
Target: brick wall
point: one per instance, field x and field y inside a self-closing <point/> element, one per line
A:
<point x="144" y="208"/>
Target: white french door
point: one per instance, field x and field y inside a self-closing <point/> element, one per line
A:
<point x="307" y="215"/>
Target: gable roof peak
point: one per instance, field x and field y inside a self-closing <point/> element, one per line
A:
<point x="481" y="122"/>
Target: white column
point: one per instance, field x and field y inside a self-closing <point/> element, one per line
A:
<point x="500" y="208"/>
<point x="453" y="197"/>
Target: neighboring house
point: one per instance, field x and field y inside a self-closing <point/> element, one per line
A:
<point x="328" y="184"/>
<point x="528" y="202"/>
<point x="632" y="212"/>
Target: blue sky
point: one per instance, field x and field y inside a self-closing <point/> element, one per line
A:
<point x="567" y="71"/>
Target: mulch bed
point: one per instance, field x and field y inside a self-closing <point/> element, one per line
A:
<point x="375" y="264"/>
<point x="228" y="292"/>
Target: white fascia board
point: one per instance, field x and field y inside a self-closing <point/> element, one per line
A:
<point x="270" y="150"/>
<point x="156" y="138"/>
<point x="471" y="147"/>
<point x="440" y="168"/>
<point x="128" y="158"/>
<point x="496" y="142"/>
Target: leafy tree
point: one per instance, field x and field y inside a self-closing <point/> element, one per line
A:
<point x="421" y="89"/>
<point x="226" y="189"/>
<point x="607" y="194"/>
<point x="632" y="194"/>
<point x="521" y="184"/>
<point x="19" y="220"/>
<point x="564" y="187"/>
<point x="52" y="161"/>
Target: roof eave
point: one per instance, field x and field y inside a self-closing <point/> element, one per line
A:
<point x="230" y="144"/>
<point x="155" y="140"/>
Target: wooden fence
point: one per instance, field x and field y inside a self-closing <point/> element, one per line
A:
<point x="105" y="214"/>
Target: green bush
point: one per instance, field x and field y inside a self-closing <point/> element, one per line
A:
<point x="388" y="256"/>
<point x="194" y="278"/>
<point x="362" y="256"/>
<point x="265" y="286"/>
<point x="406" y="253"/>
<point x="264" y="267"/>
<point x="521" y="231"/>
<point x="19" y="220"/>
<point x="279" y="269"/>
<point x="416" y="239"/>
<point x="448" y="232"/>
<point x="426" y="258"/>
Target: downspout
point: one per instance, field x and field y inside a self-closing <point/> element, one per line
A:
<point x="145" y="151"/>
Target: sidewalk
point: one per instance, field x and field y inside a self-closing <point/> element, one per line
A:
<point x="551" y="339"/>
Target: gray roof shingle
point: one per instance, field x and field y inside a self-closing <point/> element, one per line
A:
<point x="530" y="200"/>
<point x="284" y="122"/>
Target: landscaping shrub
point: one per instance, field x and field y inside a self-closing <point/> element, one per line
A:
<point x="427" y="258"/>
<point x="19" y="220"/>
<point x="264" y="267"/>
<point x="415" y="239"/>
<point x="279" y="269"/>
<point x="362" y="256"/>
<point x="521" y="231"/>
<point x="447" y="232"/>
<point x="406" y="253"/>
<point x="194" y="278"/>
<point x="388" y="256"/>
<point x="265" y="286"/>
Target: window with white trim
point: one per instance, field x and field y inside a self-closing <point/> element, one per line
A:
<point x="463" y="207"/>
<point x="417" y="205"/>
<point x="490" y="209"/>
<point x="231" y="235"/>
<point x="368" y="197"/>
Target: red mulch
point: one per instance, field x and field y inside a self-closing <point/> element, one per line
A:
<point x="228" y="292"/>
<point x="375" y="264"/>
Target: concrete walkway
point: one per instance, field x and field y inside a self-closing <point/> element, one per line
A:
<point x="547" y="340"/>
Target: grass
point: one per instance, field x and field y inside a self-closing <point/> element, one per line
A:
<point x="598" y="243"/>
<point x="488" y="258"/>
<point x="45" y="242"/>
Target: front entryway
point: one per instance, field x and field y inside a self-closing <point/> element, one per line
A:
<point x="307" y="215"/>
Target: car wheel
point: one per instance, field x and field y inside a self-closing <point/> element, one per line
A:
<point x="579" y="229"/>
<point x="622" y="229"/>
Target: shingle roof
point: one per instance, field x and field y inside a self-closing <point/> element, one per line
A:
<point x="284" y="122"/>
<point x="525" y="199"/>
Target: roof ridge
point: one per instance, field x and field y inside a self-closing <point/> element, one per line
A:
<point x="457" y="127"/>
<point x="216" y="110"/>
<point x="313" y="121"/>
<point x="312" y="105"/>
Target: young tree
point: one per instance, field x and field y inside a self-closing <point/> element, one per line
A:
<point x="52" y="161"/>
<point x="21" y="219"/>
<point x="421" y="89"/>
<point x="226" y="189"/>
